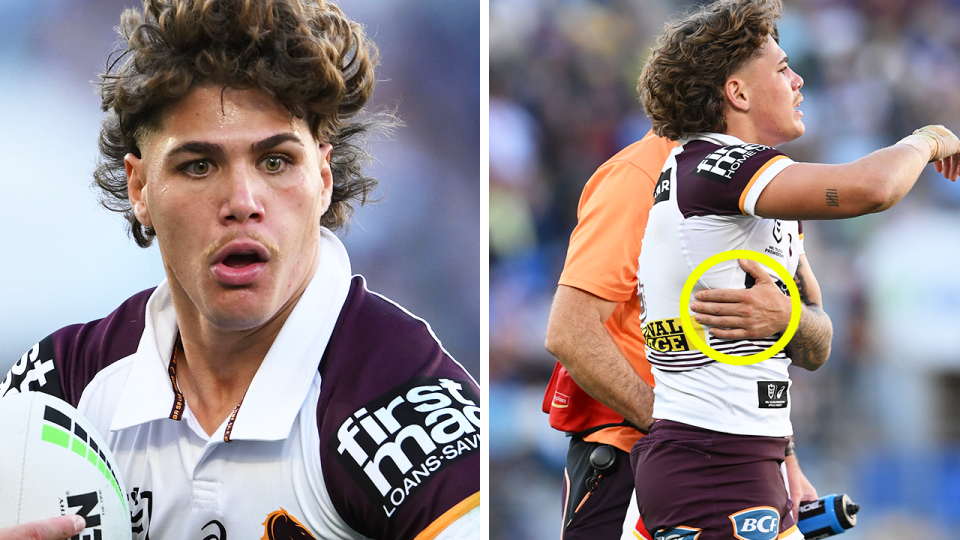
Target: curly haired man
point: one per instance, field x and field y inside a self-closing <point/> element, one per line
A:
<point x="720" y="85"/>
<point x="261" y="389"/>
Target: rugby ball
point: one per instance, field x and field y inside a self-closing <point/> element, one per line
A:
<point x="53" y="463"/>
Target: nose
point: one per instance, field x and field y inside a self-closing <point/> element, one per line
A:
<point x="242" y="201"/>
<point x="798" y="82"/>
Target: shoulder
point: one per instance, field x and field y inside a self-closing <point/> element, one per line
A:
<point x="398" y="421"/>
<point x="379" y="348"/>
<point x="724" y="162"/>
<point x="612" y="215"/>
<point x="648" y="154"/>
<point x="635" y="167"/>
<point x="64" y="363"/>
<point x="377" y="332"/>
<point x="722" y="178"/>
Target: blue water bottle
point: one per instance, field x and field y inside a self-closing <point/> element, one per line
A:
<point x="827" y="516"/>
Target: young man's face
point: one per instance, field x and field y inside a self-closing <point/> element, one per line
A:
<point x="774" y="94"/>
<point x="234" y="187"/>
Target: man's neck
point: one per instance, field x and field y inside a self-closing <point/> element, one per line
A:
<point x="216" y="366"/>
<point x="741" y="127"/>
<point x="214" y="371"/>
<point x="745" y="133"/>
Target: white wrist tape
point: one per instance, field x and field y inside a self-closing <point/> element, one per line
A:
<point x="938" y="140"/>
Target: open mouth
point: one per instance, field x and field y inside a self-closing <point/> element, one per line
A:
<point x="240" y="260"/>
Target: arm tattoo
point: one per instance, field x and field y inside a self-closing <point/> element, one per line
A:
<point x="833" y="198"/>
<point x="810" y="346"/>
<point x="801" y="285"/>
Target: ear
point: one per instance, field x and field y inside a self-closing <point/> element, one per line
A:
<point x="136" y="182"/>
<point x="326" y="176"/>
<point x="735" y="90"/>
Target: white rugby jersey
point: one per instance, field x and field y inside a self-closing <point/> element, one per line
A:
<point x="356" y="425"/>
<point x="704" y="205"/>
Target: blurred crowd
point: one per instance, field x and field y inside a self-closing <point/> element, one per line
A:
<point x="66" y="260"/>
<point x="881" y="421"/>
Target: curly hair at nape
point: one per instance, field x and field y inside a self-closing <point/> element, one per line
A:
<point x="307" y="54"/>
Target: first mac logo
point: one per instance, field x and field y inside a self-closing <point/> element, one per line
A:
<point x="399" y="442"/>
<point x="760" y="523"/>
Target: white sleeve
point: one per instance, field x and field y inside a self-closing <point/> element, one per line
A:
<point x="466" y="527"/>
<point x="772" y="169"/>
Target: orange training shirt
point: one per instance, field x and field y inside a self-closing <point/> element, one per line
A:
<point x="602" y="260"/>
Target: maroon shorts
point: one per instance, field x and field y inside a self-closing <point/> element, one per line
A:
<point x="693" y="483"/>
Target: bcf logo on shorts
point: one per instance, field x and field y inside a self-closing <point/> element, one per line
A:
<point x="758" y="523"/>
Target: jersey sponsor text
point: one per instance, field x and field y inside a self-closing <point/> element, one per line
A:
<point x="32" y="372"/>
<point x="722" y="164"/>
<point x="412" y="432"/>
<point x="665" y="335"/>
<point x="662" y="190"/>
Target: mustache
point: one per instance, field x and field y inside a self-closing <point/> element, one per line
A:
<point x="270" y="245"/>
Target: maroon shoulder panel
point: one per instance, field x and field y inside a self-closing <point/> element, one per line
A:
<point x="711" y="178"/>
<point x="63" y="363"/>
<point x="398" y="421"/>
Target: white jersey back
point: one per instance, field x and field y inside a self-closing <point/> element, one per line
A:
<point x="704" y="205"/>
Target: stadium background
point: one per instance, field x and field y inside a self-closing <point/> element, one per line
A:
<point x="64" y="259"/>
<point x="881" y="420"/>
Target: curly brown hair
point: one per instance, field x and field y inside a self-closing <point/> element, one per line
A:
<point x="681" y="85"/>
<point x="305" y="53"/>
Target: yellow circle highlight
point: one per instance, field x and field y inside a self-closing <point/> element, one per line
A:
<point x="687" y="322"/>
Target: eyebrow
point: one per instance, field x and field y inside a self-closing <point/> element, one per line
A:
<point x="276" y="140"/>
<point x="195" y="147"/>
<point x="785" y="60"/>
<point x="198" y="147"/>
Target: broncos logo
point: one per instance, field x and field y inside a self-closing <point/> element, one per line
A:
<point x="282" y="526"/>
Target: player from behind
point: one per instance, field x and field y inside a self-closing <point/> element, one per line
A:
<point x="261" y="390"/>
<point x="719" y="84"/>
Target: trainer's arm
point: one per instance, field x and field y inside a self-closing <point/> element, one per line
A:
<point x="577" y="337"/>
<point x="763" y="310"/>
<point x="810" y="346"/>
<point x="870" y="184"/>
<point x="757" y="312"/>
<point x="59" y="528"/>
